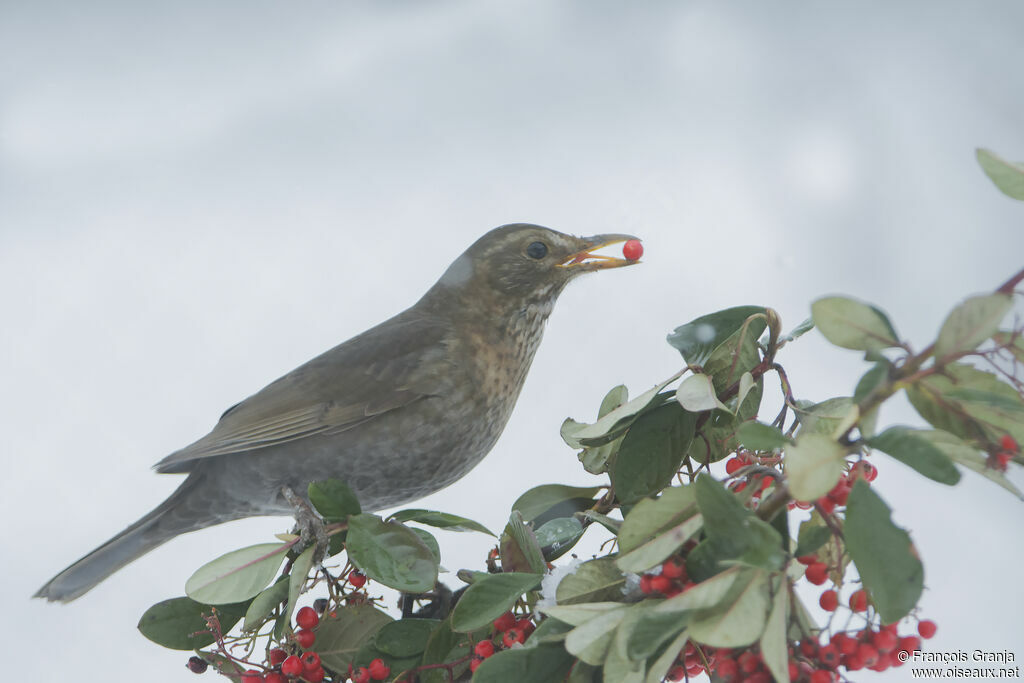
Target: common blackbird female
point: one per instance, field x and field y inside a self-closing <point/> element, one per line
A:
<point x="397" y="412"/>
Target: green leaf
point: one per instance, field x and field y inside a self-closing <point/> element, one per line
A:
<point x="698" y="339"/>
<point x="884" y="554"/>
<point x="574" y="615"/>
<point x="652" y="630"/>
<point x="558" y="536"/>
<point x="811" y="538"/>
<point x="1007" y="176"/>
<point x="969" y="456"/>
<point x="742" y="620"/>
<point x="179" y="624"/>
<point x="913" y="449"/>
<point x="970" y="403"/>
<point x="441" y="520"/>
<point x="341" y="636"/>
<point x="391" y="553"/>
<point x="852" y="324"/>
<point x="705" y="595"/>
<point x="971" y="323"/>
<point x="657" y="671"/>
<point x="652" y="516"/>
<point x="871" y="379"/>
<point x="831" y="417"/>
<point x="761" y="437"/>
<point x="733" y="533"/>
<point x="736" y="356"/>
<point x="265" y="603"/>
<point x="236" y="576"/>
<point x="800" y="330"/>
<point x="813" y="466"/>
<point x="597" y="580"/>
<point x="520" y="551"/>
<point x="489" y="598"/>
<point x="590" y="640"/>
<point x="773" y="641"/>
<point x="1014" y="344"/>
<point x="333" y="499"/>
<point x="696" y="394"/>
<point x="651" y="452"/>
<point x="444" y="646"/>
<point x="551" y="501"/>
<point x="406" y="637"/>
<point x="660" y="547"/>
<point x="611" y="425"/>
<point x="297" y="578"/>
<point x="541" y="663"/>
<point x="431" y="543"/>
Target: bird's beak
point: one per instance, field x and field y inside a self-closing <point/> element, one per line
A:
<point x="586" y="259"/>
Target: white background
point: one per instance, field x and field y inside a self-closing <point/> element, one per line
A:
<point x="196" y="197"/>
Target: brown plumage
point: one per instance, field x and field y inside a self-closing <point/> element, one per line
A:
<point x="398" y="412"/>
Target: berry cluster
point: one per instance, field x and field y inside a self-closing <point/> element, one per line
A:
<point x="1000" y="458"/>
<point x="376" y="670"/>
<point x="508" y="632"/>
<point x="669" y="580"/>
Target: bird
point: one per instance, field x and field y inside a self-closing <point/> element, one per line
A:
<point x="397" y="412"/>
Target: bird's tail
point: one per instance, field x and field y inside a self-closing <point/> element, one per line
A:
<point x="166" y="521"/>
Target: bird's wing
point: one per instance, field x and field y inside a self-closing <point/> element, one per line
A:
<point x="385" y="368"/>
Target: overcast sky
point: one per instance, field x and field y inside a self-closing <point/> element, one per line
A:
<point x="196" y="197"/>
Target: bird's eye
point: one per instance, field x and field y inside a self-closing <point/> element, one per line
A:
<point x="537" y="250"/>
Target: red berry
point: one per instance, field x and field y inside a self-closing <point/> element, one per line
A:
<point x="927" y="628"/>
<point x="484" y="648"/>
<point x="661" y="584"/>
<point x="749" y="662"/>
<point x="829" y="656"/>
<point x="826" y="504"/>
<point x="252" y="676"/>
<point x="840" y="492"/>
<point x="673" y="568"/>
<point x="314" y="676"/>
<point x="817" y="573"/>
<point x="505" y="621"/>
<point x="727" y="669"/>
<point x="305" y="638"/>
<point x="276" y="656"/>
<point x="474" y="663"/>
<point x="356" y="580"/>
<point x="807" y="559"/>
<point x="1008" y="443"/>
<point x="794" y="671"/>
<point x="863" y="470"/>
<point x="292" y="666"/>
<point x="310" y="661"/>
<point x="512" y="636"/>
<point x="645" y="584"/>
<point x="829" y="600"/>
<point x="859" y="602"/>
<point x="632" y="250"/>
<point x="676" y="673"/>
<point x="733" y="464"/>
<point x="275" y="677"/>
<point x="307" y="617"/>
<point x="822" y="676"/>
<point x="910" y="643"/>
<point x="361" y="676"/>
<point x="809" y="648"/>
<point x="526" y="626"/>
<point x="378" y="670"/>
<point x="868" y="654"/>
<point x="846" y="644"/>
<point x="758" y="677"/>
<point x="885" y="640"/>
<point x="196" y="665"/>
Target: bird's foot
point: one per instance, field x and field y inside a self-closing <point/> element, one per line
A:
<point x="438" y="608"/>
<point x="308" y="524"/>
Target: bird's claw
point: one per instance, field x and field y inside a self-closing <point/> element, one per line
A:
<point x="308" y="524"/>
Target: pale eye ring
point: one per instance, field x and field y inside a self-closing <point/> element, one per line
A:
<point x="537" y="250"/>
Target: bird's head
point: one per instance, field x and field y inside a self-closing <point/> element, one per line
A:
<point x="522" y="263"/>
